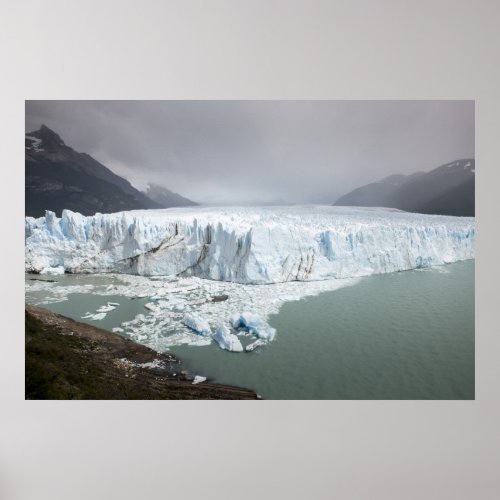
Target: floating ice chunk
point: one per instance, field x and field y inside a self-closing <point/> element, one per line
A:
<point x="197" y="323"/>
<point x="198" y="379"/>
<point x="227" y="340"/>
<point x="254" y="345"/>
<point x="254" y="324"/>
<point x="105" y="309"/>
<point x="101" y="312"/>
<point x="94" y="317"/>
<point x="52" y="270"/>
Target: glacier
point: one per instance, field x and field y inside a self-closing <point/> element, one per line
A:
<point x="248" y="245"/>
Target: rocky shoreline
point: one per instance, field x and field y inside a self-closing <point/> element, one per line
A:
<point x="66" y="359"/>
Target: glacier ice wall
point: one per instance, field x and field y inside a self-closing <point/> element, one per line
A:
<point x="248" y="245"/>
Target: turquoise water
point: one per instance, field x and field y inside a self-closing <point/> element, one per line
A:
<point x="407" y="335"/>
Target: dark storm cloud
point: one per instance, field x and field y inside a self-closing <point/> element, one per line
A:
<point x="245" y="152"/>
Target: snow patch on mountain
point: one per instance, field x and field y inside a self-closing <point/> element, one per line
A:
<point x="34" y="143"/>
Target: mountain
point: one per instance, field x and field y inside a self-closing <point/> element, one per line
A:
<point x="446" y="190"/>
<point x="58" y="177"/>
<point x="167" y="198"/>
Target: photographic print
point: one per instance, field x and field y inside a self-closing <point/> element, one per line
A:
<point x="298" y="250"/>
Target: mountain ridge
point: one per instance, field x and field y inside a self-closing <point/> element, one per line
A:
<point x="58" y="177"/>
<point x="163" y="196"/>
<point x="446" y="190"/>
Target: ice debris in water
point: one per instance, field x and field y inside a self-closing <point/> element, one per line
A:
<point x="226" y="339"/>
<point x="107" y="308"/>
<point x="101" y="312"/>
<point x="94" y="317"/>
<point x="139" y="318"/>
<point x="254" y="345"/>
<point x="161" y="326"/>
<point x="197" y="323"/>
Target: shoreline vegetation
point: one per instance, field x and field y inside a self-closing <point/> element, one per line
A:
<point x="66" y="359"/>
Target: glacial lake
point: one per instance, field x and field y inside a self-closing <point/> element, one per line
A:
<point x="405" y="335"/>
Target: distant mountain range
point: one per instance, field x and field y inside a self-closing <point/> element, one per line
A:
<point x="58" y="177"/>
<point x="446" y="190"/>
<point x="166" y="198"/>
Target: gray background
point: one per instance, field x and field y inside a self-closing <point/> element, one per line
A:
<point x="249" y="50"/>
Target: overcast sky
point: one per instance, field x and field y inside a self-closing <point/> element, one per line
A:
<point x="244" y="152"/>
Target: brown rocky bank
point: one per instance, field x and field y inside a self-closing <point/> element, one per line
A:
<point x="66" y="359"/>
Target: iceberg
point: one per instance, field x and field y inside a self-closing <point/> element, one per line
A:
<point x="249" y="245"/>
<point x="227" y="340"/>
<point x="254" y="324"/>
<point x="197" y="323"/>
<point x="254" y="345"/>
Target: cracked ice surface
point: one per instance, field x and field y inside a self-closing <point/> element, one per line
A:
<point x="258" y="245"/>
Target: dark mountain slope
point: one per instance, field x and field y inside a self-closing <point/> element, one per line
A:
<point x="167" y="198"/>
<point x="457" y="201"/>
<point x="58" y="177"/>
<point x="446" y="190"/>
<point x="375" y="194"/>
